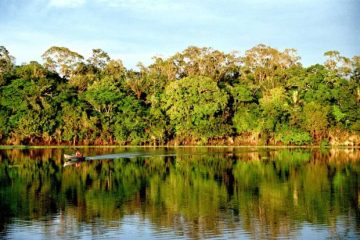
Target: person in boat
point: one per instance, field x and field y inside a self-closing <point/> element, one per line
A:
<point x="78" y="154"/>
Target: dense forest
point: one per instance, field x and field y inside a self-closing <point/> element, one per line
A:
<point x="197" y="96"/>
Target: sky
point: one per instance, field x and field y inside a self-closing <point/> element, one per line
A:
<point x="136" y="30"/>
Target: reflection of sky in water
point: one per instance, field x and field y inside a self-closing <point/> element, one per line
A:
<point x="136" y="227"/>
<point x="340" y="231"/>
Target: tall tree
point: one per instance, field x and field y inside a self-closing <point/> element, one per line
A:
<point x="6" y="63"/>
<point x="339" y="64"/>
<point x="62" y="60"/>
<point x="99" y="58"/>
<point x="195" y="106"/>
<point x="266" y="66"/>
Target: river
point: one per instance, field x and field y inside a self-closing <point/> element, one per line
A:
<point x="180" y="193"/>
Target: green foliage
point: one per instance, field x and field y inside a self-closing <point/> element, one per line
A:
<point x="315" y="117"/>
<point x="6" y="64"/>
<point x="293" y="136"/>
<point x="246" y="119"/>
<point x="130" y="126"/>
<point x="275" y="108"/>
<point x="195" y="106"/>
<point x="62" y="59"/>
<point x="196" y="96"/>
<point x="356" y="126"/>
<point x="324" y="143"/>
<point x="338" y="114"/>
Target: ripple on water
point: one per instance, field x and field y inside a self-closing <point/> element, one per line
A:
<point x="139" y="227"/>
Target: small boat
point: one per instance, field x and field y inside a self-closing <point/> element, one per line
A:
<point x="73" y="157"/>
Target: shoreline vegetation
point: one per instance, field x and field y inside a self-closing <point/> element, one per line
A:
<point x="197" y="97"/>
<point x="340" y="147"/>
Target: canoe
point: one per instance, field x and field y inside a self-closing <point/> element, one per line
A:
<point x="73" y="157"/>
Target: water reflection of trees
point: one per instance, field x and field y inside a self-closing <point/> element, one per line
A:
<point x="199" y="193"/>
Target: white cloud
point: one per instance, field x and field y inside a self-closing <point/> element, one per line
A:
<point x="145" y="5"/>
<point x="66" y="3"/>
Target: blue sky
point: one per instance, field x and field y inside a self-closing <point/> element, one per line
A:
<point x="136" y="30"/>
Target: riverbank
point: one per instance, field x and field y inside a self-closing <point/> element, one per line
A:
<point x="4" y="147"/>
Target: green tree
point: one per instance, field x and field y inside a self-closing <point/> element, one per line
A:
<point x="198" y="95"/>
<point x="339" y="64"/>
<point x="266" y="66"/>
<point x="131" y="121"/>
<point x="6" y="63"/>
<point x="247" y="119"/>
<point x="195" y="106"/>
<point x="315" y="119"/>
<point x="61" y="59"/>
<point x="99" y="59"/>
<point x="275" y="106"/>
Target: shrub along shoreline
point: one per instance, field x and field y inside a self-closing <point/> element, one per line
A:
<point x="24" y="147"/>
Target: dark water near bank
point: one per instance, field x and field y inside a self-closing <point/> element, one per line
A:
<point x="177" y="193"/>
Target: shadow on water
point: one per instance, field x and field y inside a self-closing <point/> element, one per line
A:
<point x="181" y="193"/>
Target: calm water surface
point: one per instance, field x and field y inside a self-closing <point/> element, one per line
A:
<point x="175" y="193"/>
